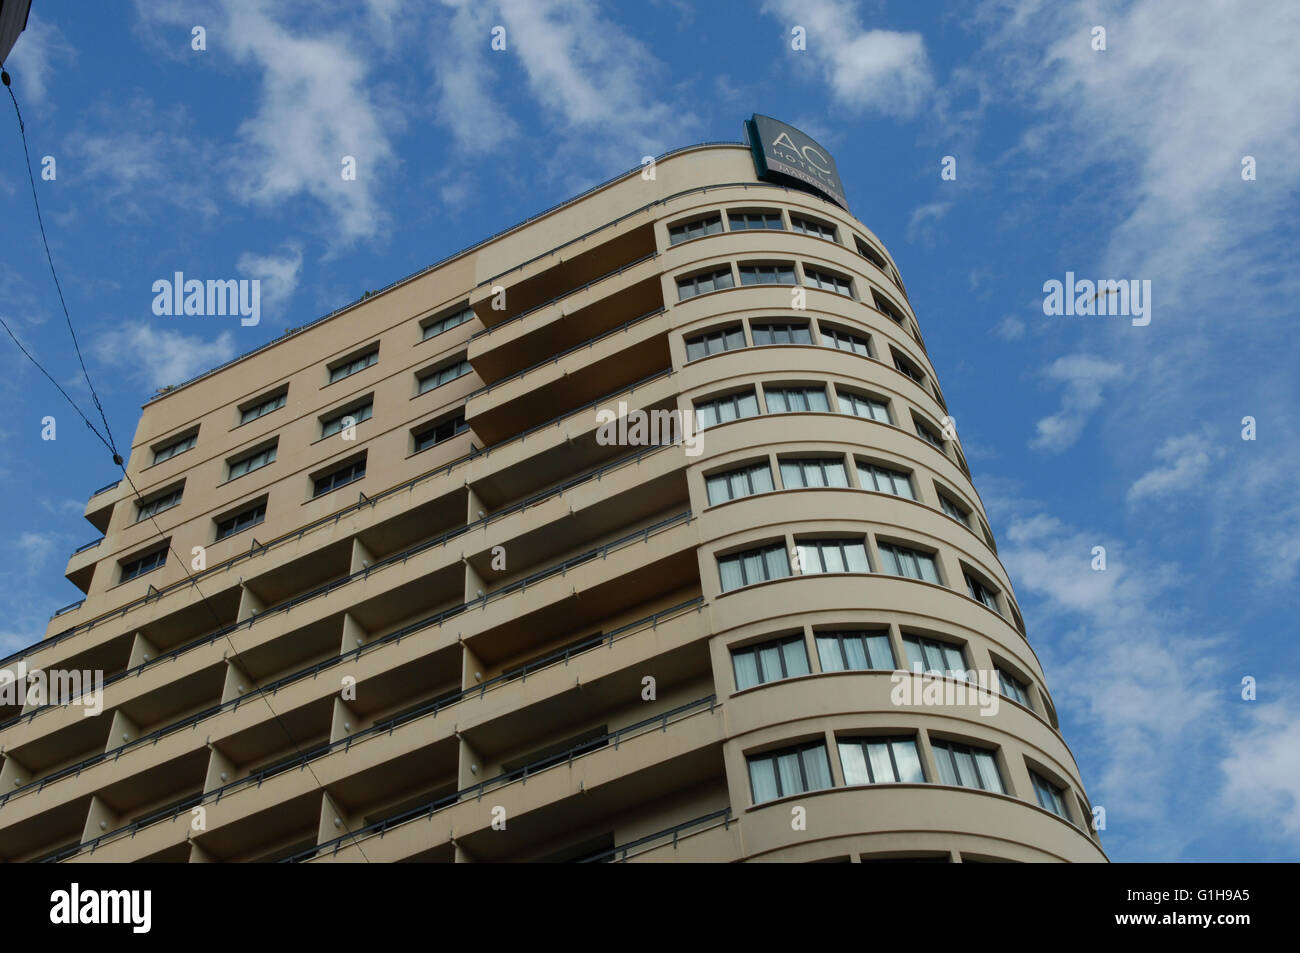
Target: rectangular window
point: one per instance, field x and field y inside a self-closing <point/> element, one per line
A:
<point x="889" y="310"/>
<point x="791" y="771"/>
<point x="908" y="368"/>
<point x="241" y="521"/>
<point x="871" y="255"/>
<point x="780" y="334"/>
<point x="931" y="655"/>
<point x="767" y="274"/>
<point x="1049" y="795"/>
<point x="912" y="563"/>
<point x="444" y="375"/>
<point x="860" y="405"/>
<point x="981" y="593"/>
<point x="144" y="564"/>
<point x="440" y="432"/>
<point x="883" y="480"/>
<point x="703" y="284"/>
<point x="854" y="651"/>
<point x="807" y="226"/>
<point x="789" y="400"/>
<point x="833" y="337"/>
<point x="929" y="436"/>
<point x="174" y="448"/>
<point x="770" y="662"/>
<point x="827" y="281"/>
<point x="710" y="225"/>
<point x="832" y="555"/>
<point x="1013" y="687"/>
<point x="812" y="472"/>
<point x="723" y="409"/>
<point x="734" y="484"/>
<point x="263" y="408"/>
<point x="438" y="325"/>
<point x="753" y="566"/>
<point x="881" y="761"/>
<point x="742" y="221"/>
<point x="339" y="478"/>
<point x="714" y="342"/>
<point x="967" y="767"/>
<point x="254" y="461"/>
<point x="350" y="367"/>
<point x="354" y="416"/>
<point x="159" y="503"/>
<point x="953" y="510"/>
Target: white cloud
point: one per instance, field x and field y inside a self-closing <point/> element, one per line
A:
<point x="31" y="62"/>
<point x="1010" y="328"/>
<point x="278" y="273"/>
<point x="1186" y="463"/>
<point x="867" y="70"/>
<point x="921" y="225"/>
<point x="1262" y="768"/>
<point x="464" y="70"/>
<point x="1084" y="377"/>
<point x="157" y="357"/>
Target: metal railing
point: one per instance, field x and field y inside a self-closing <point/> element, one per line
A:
<point x="90" y="545"/>
<point x="105" y="489"/>
<point x="564" y="294"/>
<point x="613" y="738"/>
<point x="674" y="832"/>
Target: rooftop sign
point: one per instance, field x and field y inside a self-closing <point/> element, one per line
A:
<point x="782" y="152"/>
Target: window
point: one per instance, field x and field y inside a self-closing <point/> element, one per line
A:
<point x="884" y="480"/>
<point x="770" y="661"/>
<point x="353" y="365"/>
<point x="241" y="521"/>
<point x="833" y="337"/>
<point x="980" y="592"/>
<point x="176" y="446"/>
<point x="854" y="651"/>
<point x="784" y="400"/>
<point x="767" y="274"/>
<point x="931" y="655"/>
<point x="809" y="227"/>
<point x="860" y="405"/>
<point x="349" y="473"/>
<point x="439" y="432"/>
<point x="710" y="225"/>
<point x="780" y="333"/>
<point x="929" y="436"/>
<point x="901" y="561"/>
<point x="263" y="407"/>
<point x="792" y="771"/>
<point x="741" y="221"/>
<point x="889" y="310"/>
<point x="144" y="564"/>
<point x="953" y="510"/>
<point x="714" y="342"/>
<point x="1049" y="795"/>
<point x="908" y="368"/>
<point x="446" y="323"/>
<point x="332" y="425"/>
<point x="723" y="409"/>
<point x="704" y="283"/>
<point x="1013" y="687"/>
<point x="164" y="501"/>
<point x="444" y="375"/>
<point x="812" y="472"/>
<point x="832" y="555"/>
<point x="753" y="566"/>
<point x="967" y="767"/>
<point x="881" y="761"/>
<point x="254" y="461"/>
<point x="827" y="281"/>
<point x="870" y="254"/>
<point x="734" y="484"/>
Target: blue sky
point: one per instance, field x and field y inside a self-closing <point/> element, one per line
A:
<point x="1123" y="163"/>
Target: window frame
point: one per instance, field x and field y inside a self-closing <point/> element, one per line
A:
<point x="362" y="359"/>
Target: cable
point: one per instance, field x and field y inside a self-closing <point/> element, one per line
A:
<point x="22" y="131"/>
<point x="107" y="439"/>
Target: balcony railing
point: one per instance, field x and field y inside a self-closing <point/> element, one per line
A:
<point x="105" y="489"/>
<point x="90" y="545"/>
<point x="619" y="854"/>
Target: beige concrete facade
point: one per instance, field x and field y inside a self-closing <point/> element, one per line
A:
<point x="515" y="643"/>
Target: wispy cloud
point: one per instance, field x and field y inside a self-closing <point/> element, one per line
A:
<point x="278" y="273"/>
<point x="157" y="357"/>
<point x="33" y="59"/>
<point x="1084" y="376"/>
